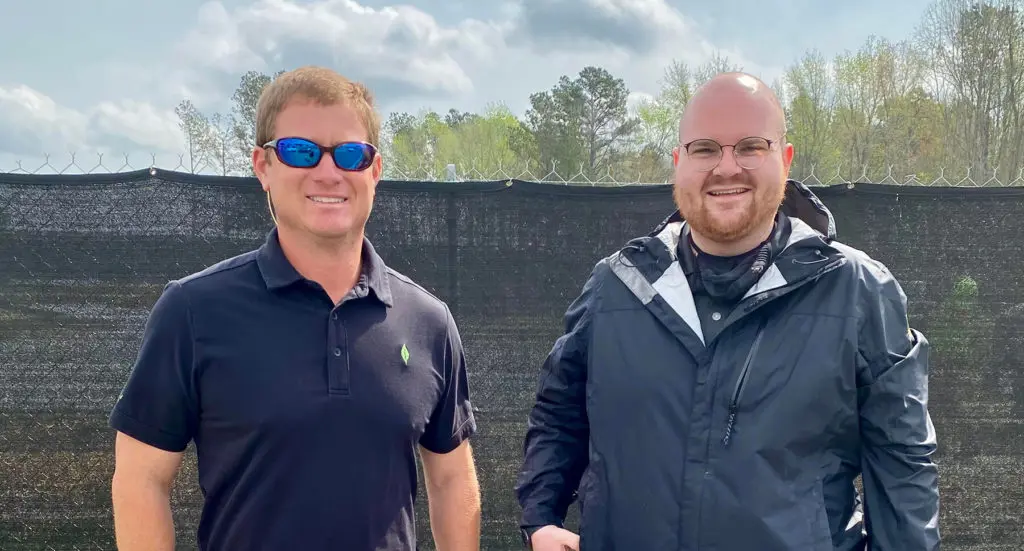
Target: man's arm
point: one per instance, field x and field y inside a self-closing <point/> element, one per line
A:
<point x="900" y="480"/>
<point x="557" y="436"/>
<point x="453" y="494"/>
<point x="452" y="488"/>
<point x="141" y="492"/>
<point x="155" y="417"/>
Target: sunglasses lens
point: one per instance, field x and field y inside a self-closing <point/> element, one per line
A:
<point x="353" y="156"/>
<point x="297" y="152"/>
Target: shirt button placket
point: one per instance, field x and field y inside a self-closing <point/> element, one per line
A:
<point x="337" y="359"/>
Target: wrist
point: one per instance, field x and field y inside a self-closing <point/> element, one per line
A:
<point x="527" y="534"/>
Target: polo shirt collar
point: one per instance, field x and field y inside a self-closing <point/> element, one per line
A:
<point x="278" y="272"/>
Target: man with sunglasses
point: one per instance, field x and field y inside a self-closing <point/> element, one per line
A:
<point x="723" y="382"/>
<point x="308" y="373"/>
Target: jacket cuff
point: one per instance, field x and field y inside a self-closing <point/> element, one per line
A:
<point x="527" y="533"/>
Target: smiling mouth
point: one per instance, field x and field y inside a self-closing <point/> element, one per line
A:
<point x="727" y="192"/>
<point x="327" y="200"/>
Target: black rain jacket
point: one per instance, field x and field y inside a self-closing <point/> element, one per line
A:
<point x="750" y="442"/>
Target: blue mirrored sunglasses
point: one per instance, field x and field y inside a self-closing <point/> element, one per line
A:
<point x="303" y="153"/>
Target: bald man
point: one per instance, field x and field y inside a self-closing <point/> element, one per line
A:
<point x="723" y="381"/>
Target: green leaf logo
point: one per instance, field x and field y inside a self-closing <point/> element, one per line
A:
<point x="405" y="354"/>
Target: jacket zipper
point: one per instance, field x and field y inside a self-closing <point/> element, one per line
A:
<point x="734" y="404"/>
<point x="738" y="390"/>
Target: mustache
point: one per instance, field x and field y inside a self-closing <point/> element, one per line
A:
<point x="719" y="181"/>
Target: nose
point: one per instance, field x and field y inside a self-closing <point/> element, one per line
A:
<point x="727" y="166"/>
<point x="326" y="170"/>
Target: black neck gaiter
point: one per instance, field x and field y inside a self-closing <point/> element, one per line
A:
<point x="728" y="278"/>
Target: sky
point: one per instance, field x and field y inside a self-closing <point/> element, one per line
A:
<point x="104" y="76"/>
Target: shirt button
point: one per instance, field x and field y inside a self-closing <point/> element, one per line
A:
<point x="337" y="352"/>
<point x="716" y="316"/>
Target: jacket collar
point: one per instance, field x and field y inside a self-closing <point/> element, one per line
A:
<point x="650" y="268"/>
<point x="278" y="272"/>
<point x="806" y="248"/>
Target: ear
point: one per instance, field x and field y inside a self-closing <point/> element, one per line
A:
<point x="675" y="156"/>
<point x="787" y="156"/>
<point x="260" y="160"/>
<point x="377" y="168"/>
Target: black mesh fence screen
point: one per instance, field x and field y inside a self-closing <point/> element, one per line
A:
<point x="83" y="258"/>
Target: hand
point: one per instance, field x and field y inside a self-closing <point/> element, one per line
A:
<point x="553" y="538"/>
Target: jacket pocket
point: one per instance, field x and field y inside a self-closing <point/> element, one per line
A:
<point x="819" y="532"/>
<point x="593" y="502"/>
<point x="796" y="520"/>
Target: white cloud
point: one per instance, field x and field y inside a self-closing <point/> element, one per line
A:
<point x="409" y="58"/>
<point x="35" y="126"/>
<point x="34" y="123"/>
<point x="140" y="123"/>
<point x="635" y="40"/>
<point x="399" y="50"/>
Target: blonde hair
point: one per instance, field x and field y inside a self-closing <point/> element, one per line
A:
<point x="319" y="85"/>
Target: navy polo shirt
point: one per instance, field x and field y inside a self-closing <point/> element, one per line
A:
<point x="306" y="415"/>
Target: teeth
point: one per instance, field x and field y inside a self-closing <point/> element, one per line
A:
<point x="328" y="199"/>
<point x="733" y="192"/>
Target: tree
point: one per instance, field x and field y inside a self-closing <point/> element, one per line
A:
<point x="579" y="122"/>
<point x="492" y="143"/>
<point x="870" y="84"/>
<point x="658" y="130"/>
<point x="454" y="117"/>
<point x="246" y="98"/>
<point x="976" y="57"/>
<point x="811" y="92"/>
<point x="223" y="150"/>
<point x="481" y="146"/>
<point x="718" y="64"/>
<point x="196" y="129"/>
<point x="953" y="98"/>
<point x="910" y="135"/>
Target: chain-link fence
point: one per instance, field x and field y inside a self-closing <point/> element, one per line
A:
<point x="954" y="176"/>
<point x="83" y="258"/>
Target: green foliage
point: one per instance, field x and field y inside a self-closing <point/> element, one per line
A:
<point x="423" y="145"/>
<point x="951" y="97"/>
<point x="578" y="123"/>
<point x="960" y="318"/>
<point x="196" y="128"/>
<point x="965" y="289"/>
<point x="224" y="142"/>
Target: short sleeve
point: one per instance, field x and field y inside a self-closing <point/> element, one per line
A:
<point x="158" y="405"/>
<point x="452" y="420"/>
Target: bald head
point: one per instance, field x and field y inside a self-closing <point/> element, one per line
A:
<point x="737" y="111"/>
<point x="735" y="100"/>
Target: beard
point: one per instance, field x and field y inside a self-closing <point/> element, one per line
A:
<point x="764" y="203"/>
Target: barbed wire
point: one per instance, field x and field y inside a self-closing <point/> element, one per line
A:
<point x="454" y="172"/>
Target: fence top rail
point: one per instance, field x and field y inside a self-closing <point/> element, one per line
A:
<point x="530" y="187"/>
<point x="618" y="176"/>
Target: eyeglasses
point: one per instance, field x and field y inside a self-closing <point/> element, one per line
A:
<point x="749" y="153"/>
<point x="303" y="153"/>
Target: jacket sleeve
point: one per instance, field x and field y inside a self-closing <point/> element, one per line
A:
<point x="898" y="439"/>
<point x="557" y="436"/>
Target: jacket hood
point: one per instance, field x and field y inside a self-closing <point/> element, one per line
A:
<point x="799" y="202"/>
